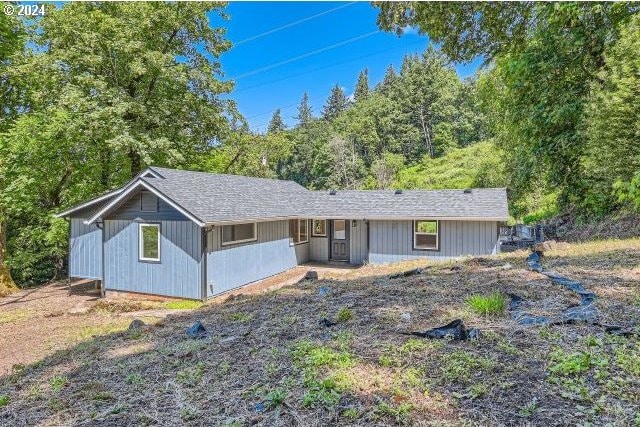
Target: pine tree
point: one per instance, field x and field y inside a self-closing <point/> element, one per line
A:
<point x="276" y="124"/>
<point x="390" y="77"/>
<point x="362" y="86"/>
<point x="336" y="103"/>
<point x="305" y="113"/>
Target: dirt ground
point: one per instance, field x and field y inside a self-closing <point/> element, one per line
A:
<point x="333" y="351"/>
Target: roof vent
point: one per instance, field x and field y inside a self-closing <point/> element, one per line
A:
<point x="398" y="191"/>
<point x="467" y="191"/>
<point x="332" y="192"/>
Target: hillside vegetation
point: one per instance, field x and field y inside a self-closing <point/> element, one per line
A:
<point x="94" y="92"/>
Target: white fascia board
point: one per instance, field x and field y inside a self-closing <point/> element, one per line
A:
<point x="135" y="185"/>
<point x="88" y="203"/>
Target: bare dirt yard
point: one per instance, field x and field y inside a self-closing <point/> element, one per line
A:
<point x="270" y="359"/>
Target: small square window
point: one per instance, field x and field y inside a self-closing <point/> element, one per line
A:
<point x="299" y="231"/>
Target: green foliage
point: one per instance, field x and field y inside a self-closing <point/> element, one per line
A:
<point x="183" y="305"/>
<point x="276" y="124"/>
<point x="548" y="96"/>
<point x="361" y="91"/>
<point x="305" y="112"/>
<point x="459" y="365"/>
<point x="344" y="315"/>
<point x="57" y="383"/>
<point x="104" y="89"/>
<point x="276" y="397"/>
<point x="478" y="165"/>
<point x="4" y="400"/>
<point x="569" y="363"/>
<point x="487" y="305"/>
<point x="611" y="127"/>
<point x="399" y="413"/>
<point x="336" y="103"/>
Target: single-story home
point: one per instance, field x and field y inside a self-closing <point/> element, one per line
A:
<point x="195" y="235"/>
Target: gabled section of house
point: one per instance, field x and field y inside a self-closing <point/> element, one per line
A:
<point x="196" y="235"/>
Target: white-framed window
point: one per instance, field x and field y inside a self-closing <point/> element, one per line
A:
<point x="239" y="233"/>
<point x="148" y="202"/>
<point x="425" y="235"/>
<point x="299" y="231"/>
<point x="319" y="228"/>
<point x="149" y="242"/>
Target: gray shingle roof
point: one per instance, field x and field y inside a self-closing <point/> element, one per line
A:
<point x="218" y="198"/>
<point x="485" y="203"/>
<point x="222" y="198"/>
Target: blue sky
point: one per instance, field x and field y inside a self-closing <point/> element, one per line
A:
<point x="261" y="87"/>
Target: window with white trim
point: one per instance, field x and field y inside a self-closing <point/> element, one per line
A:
<point x="239" y="233"/>
<point x="149" y="242"/>
<point x="425" y="235"/>
<point x="319" y="228"/>
<point x="299" y="231"/>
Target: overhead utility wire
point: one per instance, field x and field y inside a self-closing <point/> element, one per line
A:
<point x="293" y="24"/>
<point x="304" y="55"/>
<point x="335" y="64"/>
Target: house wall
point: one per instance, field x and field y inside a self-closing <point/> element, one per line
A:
<point x="358" y="242"/>
<point x="85" y="249"/>
<point x="232" y="266"/>
<point x="392" y="241"/>
<point x="180" y="270"/>
<point x="319" y="249"/>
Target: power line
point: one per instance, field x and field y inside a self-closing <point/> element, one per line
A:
<point x="304" y="55"/>
<point x="272" y="111"/>
<point x="293" y="24"/>
<point x="291" y="76"/>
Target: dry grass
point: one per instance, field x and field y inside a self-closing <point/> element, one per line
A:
<point x="269" y="362"/>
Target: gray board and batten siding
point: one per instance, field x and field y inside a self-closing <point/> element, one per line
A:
<point x="235" y="265"/>
<point x="85" y="250"/>
<point x="392" y="241"/>
<point x="180" y="270"/>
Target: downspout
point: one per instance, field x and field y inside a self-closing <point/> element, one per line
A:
<point x="103" y="284"/>
<point x="203" y="289"/>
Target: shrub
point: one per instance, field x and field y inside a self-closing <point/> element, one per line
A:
<point x="344" y="314"/>
<point x="4" y="400"/>
<point x="488" y="305"/>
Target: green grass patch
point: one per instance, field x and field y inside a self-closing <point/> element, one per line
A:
<point x="241" y="317"/>
<point x="487" y="305"/>
<point x="4" y="400"/>
<point x="400" y="413"/>
<point x="14" y="315"/>
<point x="460" y="365"/>
<point x="183" y="305"/>
<point x="57" y="383"/>
<point x="344" y="315"/>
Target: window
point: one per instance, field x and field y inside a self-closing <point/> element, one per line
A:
<point x="148" y="202"/>
<point x="319" y="228"/>
<point x="149" y="242"/>
<point x="299" y="231"/>
<point x="339" y="229"/>
<point x="425" y="235"/>
<point x="238" y="233"/>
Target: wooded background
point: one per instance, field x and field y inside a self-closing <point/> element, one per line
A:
<point x="94" y="92"/>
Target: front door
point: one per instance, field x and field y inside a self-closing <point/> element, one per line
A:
<point x="339" y="240"/>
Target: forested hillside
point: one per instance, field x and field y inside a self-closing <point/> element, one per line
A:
<point x="94" y="92"/>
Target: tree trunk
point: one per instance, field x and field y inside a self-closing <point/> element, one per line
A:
<point x="136" y="162"/>
<point x="7" y="285"/>
<point x="427" y="134"/>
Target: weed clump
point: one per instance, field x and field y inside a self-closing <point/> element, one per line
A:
<point x="487" y="305"/>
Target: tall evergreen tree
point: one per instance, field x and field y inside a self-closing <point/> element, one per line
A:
<point x="276" y="124"/>
<point x="362" y="86"/>
<point x="336" y="103"/>
<point x="305" y="113"/>
<point x="390" y="77"/>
